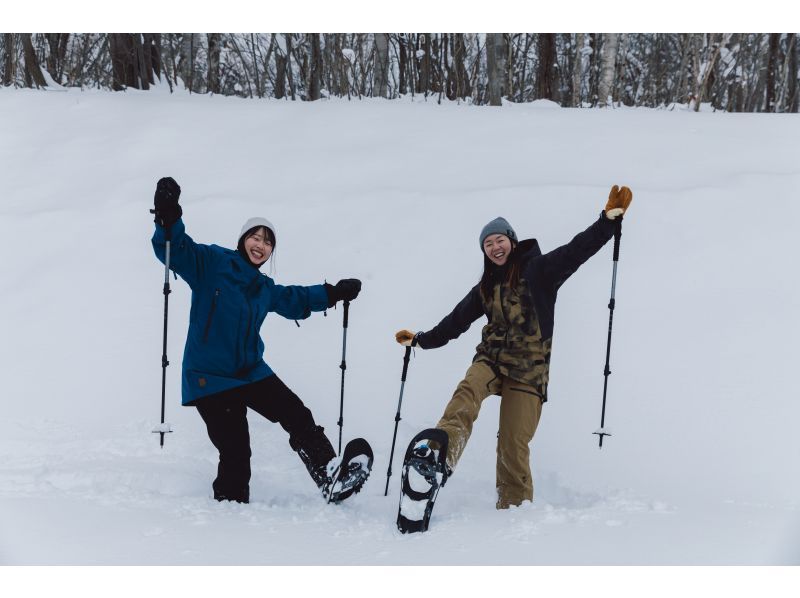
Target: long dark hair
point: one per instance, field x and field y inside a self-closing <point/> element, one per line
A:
<point x="490" y="271"/>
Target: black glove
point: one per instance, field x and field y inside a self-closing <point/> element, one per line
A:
<point x="167" y="210"/>
<point x="345" y="290"/>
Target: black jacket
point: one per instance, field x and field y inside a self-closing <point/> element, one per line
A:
<point x="544" y="275"/>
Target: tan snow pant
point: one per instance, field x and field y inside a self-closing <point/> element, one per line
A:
<point x="520" y="409"/>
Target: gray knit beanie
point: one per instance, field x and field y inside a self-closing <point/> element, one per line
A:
<point x="498" y="226"/>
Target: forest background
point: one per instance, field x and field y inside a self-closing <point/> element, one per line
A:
<point x="734" y="72"/>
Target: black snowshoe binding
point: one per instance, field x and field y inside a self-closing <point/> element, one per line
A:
<point x="315" y="451"/>
<point x="346" y="474"/>
<point x="424" y="472"/>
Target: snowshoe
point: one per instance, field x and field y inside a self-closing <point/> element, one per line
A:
<point x="347" y="474"/>
<point x="424" y="472"/>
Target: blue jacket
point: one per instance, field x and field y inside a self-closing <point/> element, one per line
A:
<point x="230" y="299"/>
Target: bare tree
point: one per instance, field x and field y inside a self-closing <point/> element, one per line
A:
<point x="402" y="60"/>
<point x="280" y="75"/>
<point x="153" y="63"/>
<point x="508" y="87"/>
<point x="681" y="92"/>
<point x="186" y="60"/>
<point x="495" y="65"/>
<point x="213" y="62"/>
<point x="594" y="67"/>
<point x="577" y="71"/>
<point x="315" y="68"/>
<point x="706" y="73"/>
<point x="143" y="81"/>
<point x="608" y="60"/>
<point x="380" y="82"/>
<point x="772" y="68"/>
<point x="57" y="46"/>
<point x="124" y="70"/>
<point x="33" y="73"/>
<point x="423" y="61"/>
<point x="620" y="66"/>
<point x="10" y="58"/>
<point x="462" y="87"/>
<point x="289" y="75"/>
<point x="790" y="75"/>
<point x="546" y="77"/>
<point x="255" y="65"/>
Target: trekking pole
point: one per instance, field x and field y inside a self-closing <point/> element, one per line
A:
<point x="343" y="367"/>
<point x="397" y="417"/>
<point x="611" y="304"/>
<point x="164" y="428"/>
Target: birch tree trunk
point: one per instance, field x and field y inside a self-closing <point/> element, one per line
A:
<point x="186" y="60"/>
<point x="380" y="85"/>
<point x="793" y="98"/>
<point x="708" y="70"/>
<point x="783" y="75"/>
<point x="508" y="88"/>
<point x="681" y="91"/>
<point x="620" y="67"/>
<point x="151" y="49"/>
<point x="594" y="68"/>
<point x="577" y="72"/>
<point x="495" y="65"/>
<point x="140" y="69"/>
<point x="289" y="75"/>
<point x="694" y="103"/>
<point x="608" y="60"/>
<point x="758" y="79"/>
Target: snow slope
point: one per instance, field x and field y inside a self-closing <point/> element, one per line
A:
<point x="702" y="466"/>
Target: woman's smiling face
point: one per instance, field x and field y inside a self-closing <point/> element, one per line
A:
<point x="258" y="246"/>
<point x="497" y="248"/>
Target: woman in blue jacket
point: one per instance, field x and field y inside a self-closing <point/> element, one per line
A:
<point x="224" y="371"/>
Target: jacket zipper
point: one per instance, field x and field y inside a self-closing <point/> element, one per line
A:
<point x="255" y="331"/>
<point x="210" y="315"/>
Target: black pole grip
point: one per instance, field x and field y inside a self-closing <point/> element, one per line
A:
<point x="167" y="234"/>
<point x="617" y="236"/>
<point x="406" y="358"/>
<point x="346" y="313"/>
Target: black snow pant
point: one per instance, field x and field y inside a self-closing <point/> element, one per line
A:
<point x="225" y="415"/>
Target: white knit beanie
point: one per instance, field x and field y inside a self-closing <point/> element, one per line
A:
<point x="257" y="221"/>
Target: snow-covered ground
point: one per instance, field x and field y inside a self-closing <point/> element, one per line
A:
<point x="703" y="400"/>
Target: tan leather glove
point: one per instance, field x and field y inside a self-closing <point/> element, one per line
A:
<point x="618" y="201"/>
<point x="404" y="337"/>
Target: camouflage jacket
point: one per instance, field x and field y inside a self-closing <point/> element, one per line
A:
<point x="517" y="338"/>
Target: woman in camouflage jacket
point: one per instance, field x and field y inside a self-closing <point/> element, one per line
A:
<point x="517" y="294"/>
